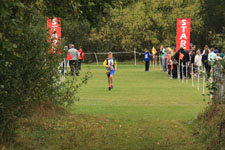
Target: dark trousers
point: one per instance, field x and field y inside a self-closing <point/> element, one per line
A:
<point x="182" y="71"/>
<point x="146" y="65"/>
<point x="79" y="63"/>
<point x="174" y="71"/>
<point x="169" y="69"/>
<point x="208" y="69"/>
<point x="74" y="66"/>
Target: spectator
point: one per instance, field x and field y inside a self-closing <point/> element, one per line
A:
<point x="183" y="61"/>
<point x="147" y="59"/>
<point x="186" y="60"/>
<point x="165" y="61"/>
<point x="162" y="51"/>
<point x="81" y="57"/>
<point x="222" y="54"/>
<point x="74" y="61"/>
<point x="174" y="67"/>
<point x="205" y="48"/>
<point x="169" y="62"/>
<point x="205" y="62"/>
<point x="198" y="61"/>
<point x="193" y="48"/>
<point x="65" y="61"/>
<point x="212" y="58"/>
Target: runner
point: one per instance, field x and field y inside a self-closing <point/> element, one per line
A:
<point x="111" y="67"/>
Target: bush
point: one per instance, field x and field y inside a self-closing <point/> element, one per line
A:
<point x="212" y="127"/>
<point x="28" y="72"/>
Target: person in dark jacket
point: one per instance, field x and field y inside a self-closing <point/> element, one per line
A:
<point x="205" y="62"/>
<point x="182" y="61"/>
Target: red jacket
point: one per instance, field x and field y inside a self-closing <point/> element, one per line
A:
<point x="69" y="57"/>
<point x="81" y="54"/>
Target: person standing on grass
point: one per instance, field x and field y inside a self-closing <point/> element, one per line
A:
<point x="205" y="62"/>
<point x="198" y="62"/>
<point x="162" y="51"/>
<point x="147" y="59"/>
<point x="74" y="61"/>
<point x="212" y="58"/>
<point x="165" y="61"/>
<point x="81" y="57"/>
<point x="111" y="67"/>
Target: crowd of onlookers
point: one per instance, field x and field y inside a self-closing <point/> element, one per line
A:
<point x="182" y="63"/>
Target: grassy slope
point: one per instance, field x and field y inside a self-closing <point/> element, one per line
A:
<point x="145" y="111"/>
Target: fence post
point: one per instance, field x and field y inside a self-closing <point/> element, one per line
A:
<point x="198" y="76"/>
<point x="135" y="57"/>
<point x="96" y="58"/>
<point x="182" y="73"/>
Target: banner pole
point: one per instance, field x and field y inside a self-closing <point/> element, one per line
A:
<point x="153" y="62"/>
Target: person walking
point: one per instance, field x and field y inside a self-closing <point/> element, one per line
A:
<point x="81" y="57"/>
<point x="74" y="61"/>
<point x="147" y="59"/>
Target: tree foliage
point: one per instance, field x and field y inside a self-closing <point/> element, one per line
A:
<point x="148" y="23"/>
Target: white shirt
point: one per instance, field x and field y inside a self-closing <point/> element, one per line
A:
<point x="74" y="53"/>
<point x="111" y="63"/>
<point x="198" y="60"/>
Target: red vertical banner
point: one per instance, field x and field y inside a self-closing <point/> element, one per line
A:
<point x="54" y="27"/>
<point x="183" y="33"/>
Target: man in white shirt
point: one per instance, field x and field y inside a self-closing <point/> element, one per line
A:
<point x="74" y="62"/>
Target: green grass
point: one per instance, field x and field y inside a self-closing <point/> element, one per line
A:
<point x="154" y="110"/>
<point x="145" y="111"/>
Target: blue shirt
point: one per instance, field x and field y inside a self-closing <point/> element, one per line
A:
<point x="147" y="56"/>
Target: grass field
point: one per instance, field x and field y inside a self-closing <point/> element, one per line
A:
<point x="145" y="110"/>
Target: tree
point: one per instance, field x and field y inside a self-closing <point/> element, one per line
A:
<point x="148" y="23"/>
